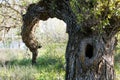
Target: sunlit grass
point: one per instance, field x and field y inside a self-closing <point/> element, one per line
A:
<point x="117" y="62"/>
<point x="50" y="65"/>
<point x="117" y="59"/>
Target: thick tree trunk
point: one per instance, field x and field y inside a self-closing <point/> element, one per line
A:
<point x="89" y="58"/>
<point x="28" y="30"/>
<point x="89" y="53"/>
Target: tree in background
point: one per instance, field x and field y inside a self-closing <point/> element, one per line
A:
<point x="11" y="17"/>
<point x="91" y="25"/>
<point x="11" y="13"/>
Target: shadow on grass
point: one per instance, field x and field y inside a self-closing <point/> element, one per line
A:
<point x="43" y="62"/>
<point x="22" y="62"/>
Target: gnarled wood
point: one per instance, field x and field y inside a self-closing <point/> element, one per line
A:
<point x="41" y="11"/>
<point x="97" y="67"/>
<point x="89" y="54"/>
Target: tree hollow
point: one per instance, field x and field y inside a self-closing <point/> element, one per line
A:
<point x="89" y="51"/>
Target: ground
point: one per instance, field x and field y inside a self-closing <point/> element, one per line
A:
<point x="16" y="64"/>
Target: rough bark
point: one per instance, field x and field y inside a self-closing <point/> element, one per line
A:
<point x="89" y="54"/>
<point x="89" y="58"/>
<point x="29" y="39"/>
<point x="42" y="11"/>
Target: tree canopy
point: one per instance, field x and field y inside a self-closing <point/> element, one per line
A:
<point x="102" y="16"/>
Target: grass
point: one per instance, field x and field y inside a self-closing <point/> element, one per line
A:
<point x="117" y="59"/>
<point x="50" y="63"/>
<point x="117" y="63"/>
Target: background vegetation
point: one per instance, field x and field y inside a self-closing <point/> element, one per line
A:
<point x="15" y="58"/>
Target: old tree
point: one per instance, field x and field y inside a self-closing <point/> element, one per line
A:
<point x="91" y="25"/>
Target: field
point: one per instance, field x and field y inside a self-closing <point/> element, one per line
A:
<point x="16" y="64"/>
<point x="117" y="63"/>
<point x="15" y="59"/>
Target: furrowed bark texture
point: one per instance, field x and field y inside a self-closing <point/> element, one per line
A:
<point x="89" y="58"/>
<point x="89" y="55"/>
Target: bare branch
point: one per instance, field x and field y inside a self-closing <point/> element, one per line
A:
<point x="8" y="6"/>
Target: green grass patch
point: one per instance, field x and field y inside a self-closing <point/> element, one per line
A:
<point x="50" y="65"/>
<point x="117" y="65"/>
<point x="117" y="62"/>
